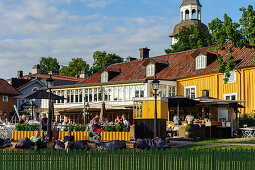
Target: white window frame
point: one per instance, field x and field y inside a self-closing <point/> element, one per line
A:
<point x="150" y="70"/>
<point x="189" y="87"/>
<point x="104" y="77"/>
<point x="231" y="81"/>
<point x="201" y="62"/>
<point x="5" y="99"/>
<point x="230" y="94"/>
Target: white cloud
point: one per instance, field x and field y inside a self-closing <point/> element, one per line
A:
<point x="97" y="3"/>
<point x="31" y="29"/>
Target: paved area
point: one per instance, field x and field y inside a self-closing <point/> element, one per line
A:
<point x="184" y="143"/>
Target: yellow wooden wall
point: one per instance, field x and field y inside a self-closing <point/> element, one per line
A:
<point x="215" y="84"/>
<point x="149" y="110"/>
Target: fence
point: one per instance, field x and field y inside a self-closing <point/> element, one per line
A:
<point x="129" y="159"/>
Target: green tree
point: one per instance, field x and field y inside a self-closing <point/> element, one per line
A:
<point x="235" y="34"/>
<point x="74" y="67"/>
<point x="48" y="64"/>
<point x="103" y="59"/>
<point x="189" y="38"/>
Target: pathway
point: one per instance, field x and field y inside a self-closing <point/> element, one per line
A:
<point x="184" y="143"/>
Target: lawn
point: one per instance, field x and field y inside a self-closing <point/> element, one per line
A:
<point x="201" y="147"/>
<point x="231" y="140"/>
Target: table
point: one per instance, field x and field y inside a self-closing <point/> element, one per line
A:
<point x="248" y="132"/>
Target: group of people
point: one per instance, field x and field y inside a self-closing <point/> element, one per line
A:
<point x="188" y="119"/>
<point x="96" y="122"/>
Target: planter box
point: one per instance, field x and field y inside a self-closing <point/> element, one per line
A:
<point x="77" y="135"/>
<point x="108" y="136"/>
<point x="17" y="135"/>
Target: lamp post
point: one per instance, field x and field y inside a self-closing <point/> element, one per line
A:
<point x="155" y="87"/>
<point x="85" y="111"/>
<point x="49" y="86"/>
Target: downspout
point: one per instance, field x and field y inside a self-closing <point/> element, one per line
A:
<point x="237" y="119"/>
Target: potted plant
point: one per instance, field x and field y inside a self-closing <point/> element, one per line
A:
<point x="188" y="131"/>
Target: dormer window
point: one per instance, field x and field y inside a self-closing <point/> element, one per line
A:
<point x="150" y="70"/>
<point x="200" y="62"/>
<point x="104" y="77"/>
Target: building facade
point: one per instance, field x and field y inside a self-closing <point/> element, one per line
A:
<point x="7" y="99"/>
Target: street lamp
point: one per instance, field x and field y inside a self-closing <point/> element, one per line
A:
<point x="49" y="86"/>
<point x="86" y="108"/>
<point x="155" y="87"/>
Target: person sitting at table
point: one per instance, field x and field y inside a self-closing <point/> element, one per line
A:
<point x="176" y="119"/>
<point x="189" y="118"/>
<point x="23" y="120"/>
<point x="66" y="121"/>
<point x="37" y="140"/>
<point x="68" y="140"/>
<point x="96" y="124"/>
<point x="117" y="120"/>
<point x="125" y="122"/>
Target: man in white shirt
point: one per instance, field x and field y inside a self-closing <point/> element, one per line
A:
<point x="189" y="118"/>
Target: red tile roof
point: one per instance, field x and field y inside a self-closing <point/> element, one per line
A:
<point x="6" y="88"/>
<point x="181" y="65"/>
<point x="57" y="77"/>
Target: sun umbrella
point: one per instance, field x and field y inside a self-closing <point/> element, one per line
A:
<point x="102" y="112"/>
<point x="40" y="94"/>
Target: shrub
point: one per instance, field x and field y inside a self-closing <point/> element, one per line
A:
<point x="118" y="127"/>
<point x="27" y="127"/>
<point x="71" y="128"/>
<point x="65" y="128"/>
<point x="124" y="128"/>
<point x="77" y="128"/>
<point x="246" y="120"/>
<point x="107" y="128"/>
<point x="188" y="129"/>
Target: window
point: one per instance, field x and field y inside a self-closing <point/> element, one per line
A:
<point x="104" y="77"/>
<point x="200" y="62"/>
<point x="230" y="96"/>
<point x="139" y="91"/>
<point x="150" y="70"/>
<point x="171" y="91"/>
<point x="232" y="78"/>
<point x="86" y="95"/>
<point x="5" y="98"/>
<point x="190" y="92"/>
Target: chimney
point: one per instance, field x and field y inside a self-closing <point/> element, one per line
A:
<point x="19" y="74"/>
<point x="128" y="59"/>
<point x="205" y="93"/>
<point x="84" y="74"/>
<point x="144" y="53"/>
<point x="36" y="69"/>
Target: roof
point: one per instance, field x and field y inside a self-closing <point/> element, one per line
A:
<point x="191" y="2"/>
<point x="57" y="77"/>
<point x="6" y="88"/>
<point x="181" y="65"/>
<point x="187" y="23"/>
<point x="30" y="83"/>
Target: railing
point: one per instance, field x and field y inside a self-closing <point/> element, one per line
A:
<point x="129" y="159"/>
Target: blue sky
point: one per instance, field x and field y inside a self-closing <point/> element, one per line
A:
<point x="30" y="29"/>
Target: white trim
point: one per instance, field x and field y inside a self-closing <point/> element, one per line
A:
<point x="188" y="87"/>
<point x="150" y="70"/>
<point x="230" y="94"/>
<point x="104" y="77"/>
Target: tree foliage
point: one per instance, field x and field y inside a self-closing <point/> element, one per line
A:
<point x="74" y="67"/>
<point x="189" y="38"/>
<point x="239" y="35"/>
<point x="48" y="64"/>
<point x="103" y="59"/>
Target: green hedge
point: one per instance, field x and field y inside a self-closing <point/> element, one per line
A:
<point x="27" y="127"/>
